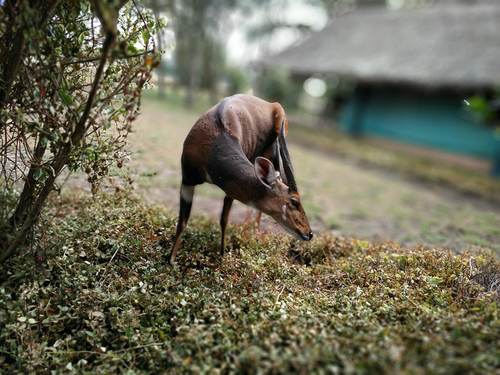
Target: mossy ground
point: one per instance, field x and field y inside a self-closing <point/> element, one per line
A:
<point x="95" y="295"/>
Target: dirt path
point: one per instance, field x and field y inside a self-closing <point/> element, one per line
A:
<point x="363" y="203"/>
<point x="207" y="202"/>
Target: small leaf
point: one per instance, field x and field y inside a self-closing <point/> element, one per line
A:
<point x="156" y="62"/>
<point x="131" y="48"/>
<point x="40" y="175"/>
<point x="96" y="314"/>
<point x="436" y="280"/>
<point x="145" y="36"/>
<point x="66" y="98"/>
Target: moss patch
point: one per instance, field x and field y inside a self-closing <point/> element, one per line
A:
<point x="96" y="296"/>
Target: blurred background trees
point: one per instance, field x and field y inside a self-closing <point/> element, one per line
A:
<point x="210" y="44"/>
<point x="200" y="30"/>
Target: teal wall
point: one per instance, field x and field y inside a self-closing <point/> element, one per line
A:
<point x="427" y="119"/>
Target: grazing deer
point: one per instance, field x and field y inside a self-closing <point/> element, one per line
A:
<point x="231" y="146"/>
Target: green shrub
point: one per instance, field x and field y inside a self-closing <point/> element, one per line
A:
<point x="237" y="81"/>
<point x="276" y="85"/>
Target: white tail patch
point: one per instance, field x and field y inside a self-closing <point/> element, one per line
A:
<point x="187" y="193"/>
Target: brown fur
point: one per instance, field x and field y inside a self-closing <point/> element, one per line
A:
<point x="222" y="148"/>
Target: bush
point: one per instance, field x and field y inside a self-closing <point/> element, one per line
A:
<point x="276" y="85"/>
<point x="68" y="95"/>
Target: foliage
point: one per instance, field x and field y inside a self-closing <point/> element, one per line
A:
<point x="277" y="85"/>
<point x="72" y="91"/>
<point x="481" y="106"/>
<point x="486" y="110"/>
<point x="103" y="300"/>
<point x="237" y="81"/>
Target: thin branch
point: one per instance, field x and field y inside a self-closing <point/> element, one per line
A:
<point x="97" y="58"/>
<point x="278" y="298"/>
<point x="147" y="28"/>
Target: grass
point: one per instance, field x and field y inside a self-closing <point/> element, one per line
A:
<point x="95" y="295"/>
<point x="419" y="167"/>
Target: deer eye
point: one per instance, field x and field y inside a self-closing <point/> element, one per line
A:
<point x="295" y="203"/>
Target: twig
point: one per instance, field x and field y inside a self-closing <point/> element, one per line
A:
<point x="279" y="295"/>
<point x="140" y="347"/>
<point x="147" y="28"/>
<point x="466" y="297"/>
<point x="113" y="257"/>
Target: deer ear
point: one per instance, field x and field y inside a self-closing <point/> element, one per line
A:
<point x="265" y="172"/>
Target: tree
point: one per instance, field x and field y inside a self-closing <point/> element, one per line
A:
<point x="71" y="73"/>
<point x="200" y="33"/>
<point x="201" y="29"/>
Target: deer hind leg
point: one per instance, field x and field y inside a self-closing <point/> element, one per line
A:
<point x="187" y="193"/>
<point x="248" y="214"/>
<point x="257" y="219"/>
<point x="228" y="202"/>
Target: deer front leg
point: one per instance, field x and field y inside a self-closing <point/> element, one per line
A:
<point x="187" y="193"/>
<point x="228" y="202"/>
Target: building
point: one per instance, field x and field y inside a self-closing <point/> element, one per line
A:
<point x="413" y="69"/>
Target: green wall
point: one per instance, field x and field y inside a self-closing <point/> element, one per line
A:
<point x="428" y="119"/>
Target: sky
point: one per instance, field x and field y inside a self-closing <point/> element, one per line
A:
<point x="241" y="51"/>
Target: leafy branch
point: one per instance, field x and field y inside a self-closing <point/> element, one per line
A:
<point x="62" y="98"/>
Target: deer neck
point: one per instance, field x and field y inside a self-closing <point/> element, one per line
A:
<point x="230" y="169"/>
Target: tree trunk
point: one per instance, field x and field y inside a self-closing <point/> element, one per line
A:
<point x="159" y="42"/>
<point x="10" y="66"/>
<point x="211" y="70"/>
<point x="193" y="76"/>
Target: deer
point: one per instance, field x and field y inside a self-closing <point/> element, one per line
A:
<point x="239" y="145"/>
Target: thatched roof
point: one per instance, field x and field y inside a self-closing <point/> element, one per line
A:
<point x="445" y="46"/>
